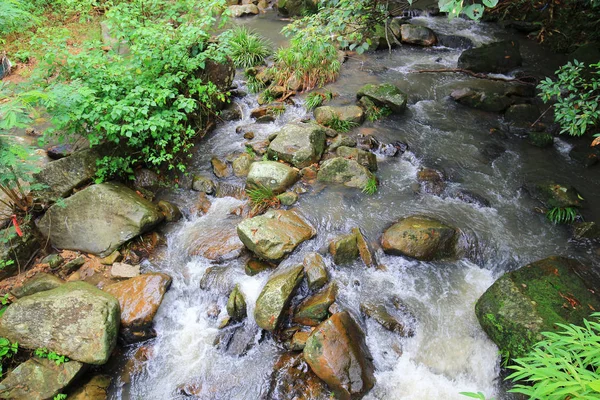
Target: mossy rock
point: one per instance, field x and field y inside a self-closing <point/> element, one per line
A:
<point x="552" y="194"/>
<point x="522" y="304"/>
<point x="385" y="95"/>
<point x="344" y="171"/>
<point x="498" y="57"/>
<point x="540" y="139"/>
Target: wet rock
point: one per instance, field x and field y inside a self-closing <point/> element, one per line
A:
<point x="540" y="139"/>
<point x="40" y="282"/>
<point x="238" y="339"/>
<point x="292" y="379"/>
<point x="267" y="113"/>
<point x="60" y="151"/>
<point x="344" y="171"/>
<point x="498" y="57"/>
<point x="454" y="41"/>
<point x="364" y="250"/>
<point x="237" y="11"/>
<point x="221" y="168"/>
<point x="203" y="184"/>
<point x="432" y="181"/>
<point x="81" y="223"/>
<point x="314" y="310"/>
<point x="315" y="270"/>
<point x="471" y="198"/>
<point x="552" y="194"/>
<point x="586" y="230"/>
<point x="53" y="261"/>
<point x="384" y="95"/>
<point x="254" y="267"/>
<point x="249" y="135"/>
<point x="275" y="234"/>
<point x="341" y="140"/>
<point x="337" y="353"/>
<point x="492" y="151"/>
<point x="299" y="341"/>
<point x="300" y="144"/>
<point x="72" y="265"/>
<point x="276" y="296"/>
<point x="76" y="319"/>
<point x="380" y="313"/>
<point x="38" y="379"/>
<point x="523" y="303"/>
<point x="231" y="113"/>
<point x="146" y="179"/>
<point x="124" y="271"/>
<point x="344" y="249"/>
<point x="241" y="164"/>
<point x="291" y="8"/>
<point x="271" y="174"/>
<point x="236" y="304"/>
<point x="216" y="279"/>
<point x="17" y="252"/>
<point x="96" y="388"/>
<point x="353" y="114"/>
<point x="139" y="298"/>
<point x="585" y="155"/>
<point x="169" y="210"/>
<point x="60" y="177"/>
<point x="522" y="115"/>
<point x="420" y="237"/>
<point x="288" y="198"/>
<point x="419" y="35"/>
<point x="364" y="158"/>
<point x="482" y="100"/>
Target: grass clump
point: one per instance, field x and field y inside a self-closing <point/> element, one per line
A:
<point x="371" y="186"/>
<point x="562" y="215"/>
<point x="262" y="198"/>
<point x="316" y="99"/>
<point x="339" y="125"/>
<point x="375" y="113"/>
<point x="246" y="48"/>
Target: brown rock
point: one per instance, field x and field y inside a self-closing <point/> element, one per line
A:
<point x="315" y="309"/>
<point x="291" y="379"/>
<point x="220" y="168"/>
<point x="315" y="270"/>
<point x="364" y="249"/>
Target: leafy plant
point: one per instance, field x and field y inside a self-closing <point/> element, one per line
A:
<point x="5" y="302"/>
<point x="267" y="96"/>
<point x="51" y="355"/>
<point x="577" y="94"/>
<point x="262" y="198"/>
<point x="340" y="125"/>
<point x="563" y="365"/>
<point x="245" y="47"/>
<point x="474" y="395"/>
<point x="60" y="397"/>
<point x="562" y="215"/>
<point x="316" y="99"/>
<point x="251" y="151"/>
<point x="7" y="350"/>
<point x="371" y="186"/>
<point x="375" y="113"/>
<point x="14" y="16"/>
<point x="254" y="85"/>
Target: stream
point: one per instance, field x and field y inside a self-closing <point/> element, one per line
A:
<point x="449" y="352"/>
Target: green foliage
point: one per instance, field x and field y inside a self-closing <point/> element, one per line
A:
<point x="339" y="125"/>
<point x="562" y="215"/>
<point x="563" y="365"/>
<point x="60" y="397"/>
<point x="7" y="351"/>
<point x="371" y="186"/>
<point x="577" y="96"/>
<point x="262" y="198"/>
<point x="251" y="151"/>
<point x="316" y="99"/>
<point x="268" y="96"/>
<point x="246" y="48"/>
<point x="473" y="395"/>
<point x="375" y="113"/>
<point x="254" y="85"/>
<point x="50" y="355"/>
<point x="15" y="16"/>
<point x="5" y="302"/>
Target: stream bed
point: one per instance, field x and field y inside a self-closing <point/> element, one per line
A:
<point x="449" y="352"/>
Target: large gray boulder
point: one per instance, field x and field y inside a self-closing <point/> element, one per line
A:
<point x="384" y="95"/>
<point x="276" y="296"/>
<point x="419" y="35"/>
<point x="344" y="171"/>
<point x="60" y="177"/>
<point x="275" y="234"/>
<point x="300" y="144"/>
<point x="99" y="219"/>
<point x="76" y="319"/>
<point x="38" y="379"/>
<point x="273" y="175"/>
<point x="498" y="57"/>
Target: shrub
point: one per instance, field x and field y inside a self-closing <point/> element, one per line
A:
<point x="15" y="17"/>
<point x="246" y="48"/>
<point x="339" y="125"/>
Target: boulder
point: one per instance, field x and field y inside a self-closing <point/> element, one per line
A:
<point x="344" y="249"/>
<point x="60" y="151"/>
<point x="522" y="115"/>
<point x="533" y="299"/>
<point x="139" y="298"/>
<point x="237" y="11"/>
<point x="419" y="35"/>
<point x="384" y="95"/>
<point x="363" y="157"/>
<point x="481" y="99"/>
<point x="341" y="140"/>
<point x="275" y="234"/>
<point x="146" y="179"/>
<point x="171" y="212"/>
<point x="40" y="282"/>
<point x="454" y="41"/>
<point x="498" y="57"/>
<point x="337" y="353"/>
<point x="325" y="114"/>
<point x="276" y="296"/>
<point x="315" y="309"/>
<point x="552" y="194"/>
<point x="420" y="237"/>
<point x="293" y="8"/>
<point x="299" y="341"/>
<point x="236" y="304"/>
<point x="38" y="379"/>
<point x="288" y="198"/>
<point x="255" y="267"/>
<point x="75" y="319"/>
<point x="292" y="379"/>
<point x="586" y="230"/>
<point x="241" y="164"/>
<point x="121" y="270"/>
<point x="99" y="219"/>
<point x="300" y="144"/>
<point x="272" y="175"/>
<point x="315" y="270"/>
<point x="60" y="177"/>
<point x="344" y="171"/>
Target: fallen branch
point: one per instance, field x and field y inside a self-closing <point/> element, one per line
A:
<point x="479" y="75"/>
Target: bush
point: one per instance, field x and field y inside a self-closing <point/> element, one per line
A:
<point x="246" y="48"/>
<point x="14" y="17"/>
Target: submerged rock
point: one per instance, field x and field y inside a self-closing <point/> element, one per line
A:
<point x="99" y="219"/>
<point x="344" y="171"/>
<point x="337" y="353"/>
<point x="379" y="313"/>
<point x="481" y="99"/>
<point x="236" y="304"/>
<point x="38" y="379"/>
<point x="275" y="234"/>
<point x="432" y="181"/>
<point x="523" y="303"/>
<point x="300" y="144"/>
<point x="254" y="267"/>
<point x="498" y="57"/>
<point x="75" y="319"/>
<point x="203" y="184"/>
<point x="272" y="175"/>
<point x="276" y="296"/>
<point x="385" y="95"/>
<point x="420" y="237"/>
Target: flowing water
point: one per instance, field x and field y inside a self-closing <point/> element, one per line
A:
<point x="449" y="352"/>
